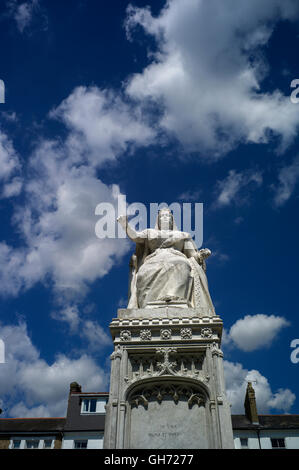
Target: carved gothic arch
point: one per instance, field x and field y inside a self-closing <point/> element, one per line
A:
<point x="196" y="392"/>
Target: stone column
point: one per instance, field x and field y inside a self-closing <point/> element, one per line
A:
<point x="223" y="407"/>
<point x="110" y="436"/>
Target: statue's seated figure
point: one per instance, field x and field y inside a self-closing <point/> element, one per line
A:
<point x="167" y="267"/>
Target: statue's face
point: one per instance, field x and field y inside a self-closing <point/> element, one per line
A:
<point x="165" y="220"/>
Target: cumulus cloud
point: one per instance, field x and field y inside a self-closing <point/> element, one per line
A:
<point x="70" y="315"/>
<point x="103" y="121"/>
<point x="60" y="241"/>
<point x="10" y="166"/>
<point x="288" y="178"/>
<point x="30" y="387"/>
<point x="236" y="378"/>
<point x="88" y="329"/>
<point x="57" y="217"/>
<point x="255" y="331"/>
<point x="235" y="188"/>
<point x="207" y="72"/>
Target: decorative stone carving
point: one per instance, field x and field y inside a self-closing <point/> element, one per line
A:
<point x="160" y="392"/>
<point x="186" y="333"/>
<point x="165" y="333"/>
<point x="117" y="353"/>
<point x="166" y="366"/>
<point x="125" y="335"/>
<point x="145" y="335"/>
<point x="216" y="351"/>
<point x="206" y="333"/>
<point x="143" y="366"/>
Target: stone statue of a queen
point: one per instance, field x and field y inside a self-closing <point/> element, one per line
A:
<point x="167" y="268"/>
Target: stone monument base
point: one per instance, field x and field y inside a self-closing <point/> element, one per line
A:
<point x="167" y="388"/>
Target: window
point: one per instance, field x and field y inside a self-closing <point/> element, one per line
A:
<point x="32" y="443"/>
<point x="80" y="444"/>
<point x="89" y="405"/>
<point x="278" y="443"/>
<point x="16" y="444"/>
<point x="47" y="443"/>
<point x="244" y="442"/>
<point x="93" y="405"/>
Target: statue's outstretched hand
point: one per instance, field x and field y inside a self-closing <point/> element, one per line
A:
<point x="123" y="220"/>
<point x="204" y="253"/>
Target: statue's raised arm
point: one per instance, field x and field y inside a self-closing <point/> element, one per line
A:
<point x="137" y="237"/>
<point x="167" y="268"/>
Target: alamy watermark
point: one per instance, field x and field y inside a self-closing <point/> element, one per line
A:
<point x="2" y="92"/>
<point x="188" y="217"/>
<point x="295" y="353"/>
<point x="294" y="95"/>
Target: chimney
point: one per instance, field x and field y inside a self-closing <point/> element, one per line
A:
<point x="250" y="405"/>
<point x="75" y="388"/>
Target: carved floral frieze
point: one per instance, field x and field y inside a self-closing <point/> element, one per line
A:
<point x="145" y="334"/>
<point x="125" y="335"/>
<point x="165" y="333"/>
<point x="186" y="333"/>
<point x="206" y="333"/>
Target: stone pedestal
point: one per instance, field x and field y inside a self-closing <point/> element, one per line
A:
<point x="167" y="387"/>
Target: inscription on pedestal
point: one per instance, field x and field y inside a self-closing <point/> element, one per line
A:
<point x="169" y="425"/>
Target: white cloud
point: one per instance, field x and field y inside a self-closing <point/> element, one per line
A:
<point x="190" y="196"/>
<point x="288" y="178"/>
<point x="9" y="116"/>
<point x="9" y="161"/>
<point x="29" y="386"/>
<point x="56" y="219"/>
<point x="13" y="188"/>
<point x="236" y="378"/>
<point x="95" y="335"/>
<point x="104" y="122"/>
<point x="207" y="73"/>
<point x="22" y="13"/>
<point x="88" y="329"/>
<point x="70" y="315"/>
<point x="235" y="188"/>
<point x="60" y="240"/>
<point x="10" y="167"/>
<point x="255" y="331"/>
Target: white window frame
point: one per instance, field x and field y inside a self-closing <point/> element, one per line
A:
<point x="23" y="439"/>
<point x="12" y="443"/>
<point x="247" y="442"/>
<point x="277" y="439"/>
<point x="52" y="443"/>
<point x="100" y="406"/>
<point x="32" y="439"/>
<point x="80" y="440"/>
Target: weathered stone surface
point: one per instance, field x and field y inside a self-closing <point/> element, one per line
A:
<point x="184" y="428"/>
<point x="164" y="312"/>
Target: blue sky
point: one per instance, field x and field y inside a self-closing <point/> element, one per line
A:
<point x="184" y="101"/>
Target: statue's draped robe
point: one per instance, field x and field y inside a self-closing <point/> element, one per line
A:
<point x="161" y="271"/>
